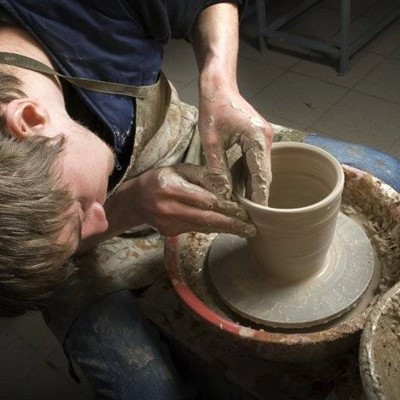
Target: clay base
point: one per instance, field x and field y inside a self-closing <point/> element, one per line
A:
<point x="336" y="288"/>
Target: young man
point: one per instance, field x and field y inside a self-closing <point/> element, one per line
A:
<point x="79" y="167"/>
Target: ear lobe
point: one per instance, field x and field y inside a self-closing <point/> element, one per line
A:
<point x="26" y="117"/>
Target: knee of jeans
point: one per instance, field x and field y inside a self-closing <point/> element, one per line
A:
<point x="119" y="351"/>
<point x="109" y="320"/>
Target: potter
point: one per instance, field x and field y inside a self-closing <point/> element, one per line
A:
<point x="295" y="230"/>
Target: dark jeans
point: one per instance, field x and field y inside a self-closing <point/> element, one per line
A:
<point x="122" y="354"/>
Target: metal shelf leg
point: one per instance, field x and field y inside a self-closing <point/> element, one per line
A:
<point x="345" y="37"/>
<point x="261" y="24"/>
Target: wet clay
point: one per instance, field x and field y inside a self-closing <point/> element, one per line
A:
<point x="251" y="138"/>
<point x="376" y="208"/>
<point x="343" y="279"/>
<point x="380" y="349"/>
<point x="259" y="168"/>
<point x="295" y="275"/>
<point x="295" y="231"/>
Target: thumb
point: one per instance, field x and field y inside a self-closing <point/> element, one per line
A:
<point x="217" y="177"/>
<point x="216" y="181"/>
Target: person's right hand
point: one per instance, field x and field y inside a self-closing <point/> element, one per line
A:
<point x="173" y="200"/>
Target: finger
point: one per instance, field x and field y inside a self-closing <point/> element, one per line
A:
<point x="193" y="193"/>
<point x="260" y="177"/>
<point x="184" y="180"/>
<point x="257" y="146"/>
<point x="217" y="176"/>
<point x="194" y="220"/>
<point x="240" y="229"/>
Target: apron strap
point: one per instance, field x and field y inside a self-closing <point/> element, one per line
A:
<point x="18" y="60"/>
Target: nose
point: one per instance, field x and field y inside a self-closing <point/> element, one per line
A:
<point x="94" y="221"/>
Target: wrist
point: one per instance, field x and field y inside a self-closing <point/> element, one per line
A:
<point x="215" y="78"/>
<point x="215" y="42"/>
<point x="122" y="208"/>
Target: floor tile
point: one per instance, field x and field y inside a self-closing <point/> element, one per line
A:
<point x="358" y="27"/>
<point x="395" y="149"/>
<point x="44" y="383"/>
<point x="383" y="81"/>
<point x="283" y="121"/>
<point x="275" y="56"/>
<point x="324" y="24"/>
<point x="396" y="54"/>
<point x="360" y="64"/>
<point x="386" y="42"/>
<point x="297" y="98"/>
<point x="363" y="119"/>
<point x="31" y="328"/>
<point x="58" y="361"/>
<point x="178" y="85"/>
<point x="17" y="359"/>
<point x="6" y="323"/>
<point x="190" y="93"/>
<point x="382" y="8"/>
<point x="254" y="76"/>
<point x="179" y="62"/>
<point x="317" y="22"/>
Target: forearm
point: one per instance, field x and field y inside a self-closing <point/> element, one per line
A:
<point x="172" y="200"/>
<point x="214" y="39"/>
<point x="225" y="117"/>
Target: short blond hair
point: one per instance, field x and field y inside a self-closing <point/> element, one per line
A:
<point x="34" y="210"/>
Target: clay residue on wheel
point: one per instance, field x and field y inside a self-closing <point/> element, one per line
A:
<point x="379" y="348"/>
<point x="377" y="208"/>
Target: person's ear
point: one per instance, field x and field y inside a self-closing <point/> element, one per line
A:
<point x="25" y="117"/>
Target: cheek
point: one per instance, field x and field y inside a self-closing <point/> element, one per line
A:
<point x="93" y="187"/>
<point x="97" y="184"/>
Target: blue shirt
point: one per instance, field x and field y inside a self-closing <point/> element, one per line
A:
<point x="111" y="40"/>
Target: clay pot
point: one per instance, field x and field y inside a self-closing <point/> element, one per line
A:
<point x="375" y="204"/>
<point x="295" y="230"/>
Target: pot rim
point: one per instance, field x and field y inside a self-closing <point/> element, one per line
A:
<point x="336" y="191"/>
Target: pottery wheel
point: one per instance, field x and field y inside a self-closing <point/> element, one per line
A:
<point x="341" y="282"/>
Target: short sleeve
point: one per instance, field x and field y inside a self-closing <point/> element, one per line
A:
<point x="169" y="19"/>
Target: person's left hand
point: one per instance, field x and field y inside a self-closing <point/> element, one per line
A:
<point x="226" y="118"/>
